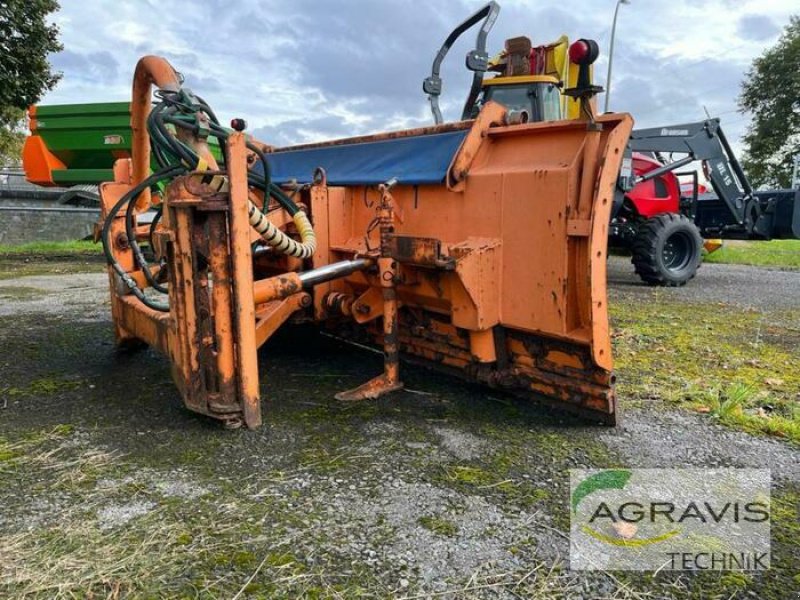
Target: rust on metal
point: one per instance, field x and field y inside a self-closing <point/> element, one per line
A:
<point x="419" y="251"/>
<point x="389" y="380"/>
<point x="273" y="314"/>
<point x="150" y="70"/>
<point x="497" y="274"/>
<point x="276" y="288"/>
<point x="242" y="267"/>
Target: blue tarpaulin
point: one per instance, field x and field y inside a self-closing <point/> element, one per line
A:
<point x="412" y="160"/>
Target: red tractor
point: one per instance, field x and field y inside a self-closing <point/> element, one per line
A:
<point x="663" y="223"/>
<point x="665" y="244"/>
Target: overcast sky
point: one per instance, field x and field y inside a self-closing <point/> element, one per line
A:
<point x="303" y="70"/>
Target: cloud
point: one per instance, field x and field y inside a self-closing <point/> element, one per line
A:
<point x="300" y="70"/>
<point x="92" y="67"/>
<point x="756" y="27"/>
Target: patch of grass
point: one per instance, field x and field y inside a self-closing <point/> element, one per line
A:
<point x="63" y="430"/>
<point x="510" y="473"/>
<point x="729" y="362"/>
<point x="475" y="476"/>
<point x="500" y="476"/>
<point x="775" y="253"/>
<point x="735" y="579"/>
<point x="439" y="525"/>
<point x="785" y="531"/>
<point x="243" y="559"/>
<point x="50" y="385"/>
<point x="44" y="386"/>
<point x="740" y="407"/>
<point x="51" y="452"/>
<point x="184" y="539"/>
<point x="52" y="248"/>
<point x="730" y="402"/>
<point x="218" y="545"/>
<point x="771" y="425"/>
<point x="786" y="517"/>
<point x="7" y="453"/>
<point x="14" y="266"/>
<point x="470" y="475"/>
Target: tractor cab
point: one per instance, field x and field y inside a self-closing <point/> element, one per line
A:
<point x="528" y="98"/>
<point x="546" y="82"/>
<point x="528" y="80"/>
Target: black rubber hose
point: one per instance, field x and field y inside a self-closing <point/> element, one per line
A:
<point x="284" y="200"/>
<point x="267" y="176"/>
<point x="153" y="179"/>
<point x="265" y="184"/>
<point x="131" y="196"/>
<point x="166" y="146"/>
<point x="158" y="152"/>
<point x="178" y="149"/>
<point x="138" y="255"/>
<point x="162" y="139"/>
<point x="154" y="223"/>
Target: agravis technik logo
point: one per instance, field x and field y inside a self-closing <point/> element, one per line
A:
<point x="625" y="528"/>
<point x="649" y="519"/>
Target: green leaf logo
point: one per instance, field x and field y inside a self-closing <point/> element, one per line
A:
<point x="605" y="480"/>
<point x="612" y="479"/>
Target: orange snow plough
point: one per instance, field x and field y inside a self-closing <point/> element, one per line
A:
<point x="477" y="246"/>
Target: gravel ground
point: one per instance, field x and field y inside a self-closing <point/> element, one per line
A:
<point x="78" y="295"/>
<point x="739" y="285"/>
<point x="114" y="488"/>
<point x="687" y="440"/>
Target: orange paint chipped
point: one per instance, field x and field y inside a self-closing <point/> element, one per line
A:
<point x="497" y="273"/>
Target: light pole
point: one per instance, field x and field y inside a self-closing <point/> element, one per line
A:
<point x="611" y="51"/>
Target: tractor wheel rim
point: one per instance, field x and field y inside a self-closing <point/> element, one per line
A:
<point x="677" y="251"/>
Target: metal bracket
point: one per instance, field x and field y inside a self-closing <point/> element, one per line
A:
<point x="420" y="252"/>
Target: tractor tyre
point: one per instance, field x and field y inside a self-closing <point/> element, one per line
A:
<point x="667" y="250"/>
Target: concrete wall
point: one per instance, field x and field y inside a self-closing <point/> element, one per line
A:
<point x="24" y="221"/>
<point x="30" y="213"/>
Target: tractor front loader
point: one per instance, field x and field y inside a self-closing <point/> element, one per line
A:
<point x="477" y="247"/>
<point x="664" y="227"/>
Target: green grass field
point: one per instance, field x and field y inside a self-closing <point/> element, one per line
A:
<point x="52" y="248"/>
<point x="777" y="253"/>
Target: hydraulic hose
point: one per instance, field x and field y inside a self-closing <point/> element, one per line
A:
<point x="130" y="198"/>
<point x="137" y="250"/>
<point x="273" y="236"/>
<point x="282" y="243"/>
<point x="168" y="112"/>
<point x="179" y="108"/>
